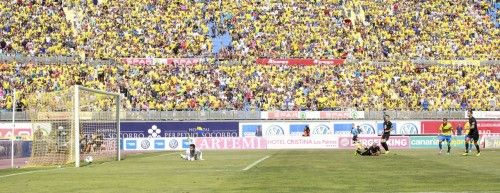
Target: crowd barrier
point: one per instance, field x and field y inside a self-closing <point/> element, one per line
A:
<point x="288" y="134"/>
<point x="297" y="142"/>
<point x="266" y="134"/>
<point x="263" y="128"/>
<point x="338" y="114"/>
<point x="23" y="148"/>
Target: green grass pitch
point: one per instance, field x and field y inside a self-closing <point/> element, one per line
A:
<point x="284" y="171"/>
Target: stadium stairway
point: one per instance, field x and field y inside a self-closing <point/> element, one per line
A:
<point x="356" y="14"/>
<point x="220" y="40"/>
<point x="75" y="15"/>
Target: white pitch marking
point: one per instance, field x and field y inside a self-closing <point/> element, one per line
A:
<point x="21" y="173"/>
<point x="161" y="155"/>
<point x="36" y="171"/>
<point x="450" y="192"/>
<point x="255" y="163"/>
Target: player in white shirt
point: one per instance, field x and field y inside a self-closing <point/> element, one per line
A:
<point x="192" y="154"/>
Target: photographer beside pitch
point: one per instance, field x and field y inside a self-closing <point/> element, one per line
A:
<point x="446" y="130"/>
<point x="355" y="131"/>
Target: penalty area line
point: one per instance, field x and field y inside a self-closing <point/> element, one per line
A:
<point x="171" y="153"/>
<point x="255" y="163"/>
<point x="36" y="171"/>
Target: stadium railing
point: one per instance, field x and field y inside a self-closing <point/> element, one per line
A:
<point x="52" y="59"/>
<point x="221" y="61"/>
<point x="247" y="115"/>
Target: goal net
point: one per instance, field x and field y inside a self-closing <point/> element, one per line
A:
<point x="78" y="125"/>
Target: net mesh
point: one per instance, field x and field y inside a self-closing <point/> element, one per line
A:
<point x="53" y="120"/>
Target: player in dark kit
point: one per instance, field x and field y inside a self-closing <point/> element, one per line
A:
<point x="386" y="134"/>
<point x="373" y="150"/>
<point x="473" y="134"/>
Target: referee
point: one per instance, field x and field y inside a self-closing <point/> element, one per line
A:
<point x="386" y="134"/>
<point x="473" y="134"/>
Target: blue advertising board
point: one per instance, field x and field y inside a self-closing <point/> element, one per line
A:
<point x="342" y="128"/>
<point x="252" y="130"/>
<point x="297" y="129"/>
<point x="179" y="129"/>
<point x="366" y="127"/>
<point x="130" y="144"/>
<point x="157" y="144"/>
<point x="380" y="128"/>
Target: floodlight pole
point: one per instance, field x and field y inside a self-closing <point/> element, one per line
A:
<point x="12" y="129"/>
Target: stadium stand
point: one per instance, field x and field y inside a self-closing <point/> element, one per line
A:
<point x="402" y="86"/>
<point x="361" y="29"/>
<point x="35" y="29"/>
<point x="245" y="30"/>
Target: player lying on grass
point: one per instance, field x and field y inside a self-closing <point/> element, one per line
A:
<point x="192" y="154"/>
<point x="373" y="150"/>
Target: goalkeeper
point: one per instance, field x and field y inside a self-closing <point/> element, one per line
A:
<point x="192" y="154"/>
<point x="446" y="130"/>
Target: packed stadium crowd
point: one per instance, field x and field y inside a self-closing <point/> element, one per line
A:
<point x="352" y="29"/>
<point x="363" y="86"/>
<point x="437" y="29"/>
<point x="32" y="28"/>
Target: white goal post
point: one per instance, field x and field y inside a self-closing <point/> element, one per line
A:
<point x="75" y="124"/>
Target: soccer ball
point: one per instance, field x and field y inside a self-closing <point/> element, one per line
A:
<point x="89" y="159"/>
<point x="2" y="149"/>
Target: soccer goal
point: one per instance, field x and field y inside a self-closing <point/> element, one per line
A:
<point x="78" y="125"/>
